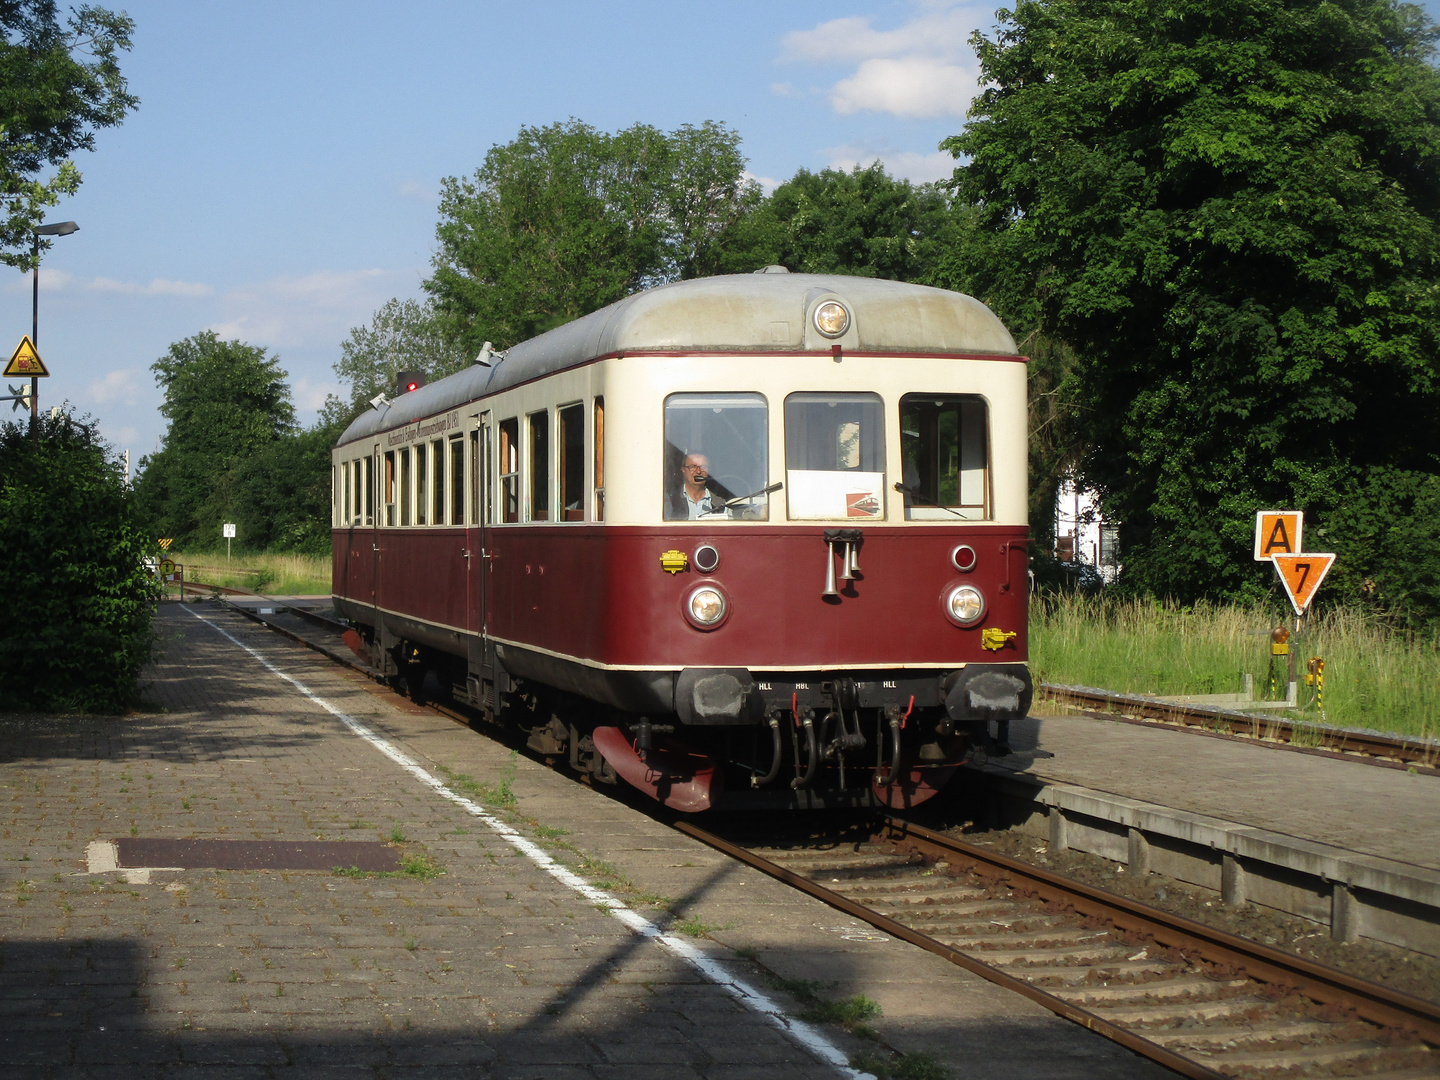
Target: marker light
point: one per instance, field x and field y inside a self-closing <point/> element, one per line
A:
<point x="831" y="318"/>
<point x="706" y="607"/>
<point x="965" y="605"/>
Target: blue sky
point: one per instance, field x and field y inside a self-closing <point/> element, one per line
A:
<point x="279" y="180"/>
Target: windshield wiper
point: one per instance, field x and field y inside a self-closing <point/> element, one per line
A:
<point x="753" y="495"/>
<point x="921" y="498"/>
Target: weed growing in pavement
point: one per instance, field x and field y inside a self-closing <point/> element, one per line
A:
<point x="358" y="824"/>
<point x="546" y="832"/>
<point x="498" y="797"/>
<point x="850" y="1013"/>
<point x="418" y="866"/>
<point x="917" y="1066"/>
<point x="396" y="835"/>
<point x="693" y="927"/>
<point x="748" y="952"/>
<point x="234" y="974"/>
<point x="410" y="944"/>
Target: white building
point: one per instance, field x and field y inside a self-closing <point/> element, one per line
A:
<point x="1081" y="533"/>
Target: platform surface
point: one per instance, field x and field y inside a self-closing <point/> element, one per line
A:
<point x="1390" y="813"/>
<point x="493" y="969"/>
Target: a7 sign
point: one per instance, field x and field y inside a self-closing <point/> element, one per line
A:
<point x="1301" y="575"/>
<point x="1277" y="532"/>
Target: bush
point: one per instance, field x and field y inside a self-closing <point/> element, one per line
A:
<point x="79" y="599"/>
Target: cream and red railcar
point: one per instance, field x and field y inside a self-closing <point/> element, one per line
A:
<point x="844" y="622"/>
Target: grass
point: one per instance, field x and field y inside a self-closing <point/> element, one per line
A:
<point x="420" y="867"/>
<point x="279" y="575"/>
<point x="917" y="1066"/>
<point x="850" y="1013"/>
<point x="1375" y="677"/>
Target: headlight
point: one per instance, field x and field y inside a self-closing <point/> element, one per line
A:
<point x="707" y="607"/>
<point x="831" y="318"/>
<point x="965" y="605"/>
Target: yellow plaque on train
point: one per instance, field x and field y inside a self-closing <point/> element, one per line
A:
<point x="673" y="561"/>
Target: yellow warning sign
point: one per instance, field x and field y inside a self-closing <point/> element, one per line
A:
<point x="26" y="361"/>
<point x="167" y="567"/>
<point x="1301" y="575"/>
<point x="165" y="542"/>
<point x="1277" y="532"/>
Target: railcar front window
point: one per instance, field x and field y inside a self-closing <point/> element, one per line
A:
<point x="946" y="451"/>
<point x="716" y="457"/>
<point x="834" y="456"/>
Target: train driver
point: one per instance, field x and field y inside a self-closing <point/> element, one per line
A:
<point x="695" y="499"/>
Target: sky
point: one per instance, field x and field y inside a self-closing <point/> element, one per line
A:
<point x="280" y="178"/>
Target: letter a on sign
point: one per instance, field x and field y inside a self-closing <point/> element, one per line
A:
<point x="1301" y="575"/>
<point x="1277" y="532"/>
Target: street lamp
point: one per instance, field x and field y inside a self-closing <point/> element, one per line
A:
<point x="59" y="228"/>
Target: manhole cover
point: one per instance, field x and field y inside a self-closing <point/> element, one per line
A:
<point x="139" y="851"/>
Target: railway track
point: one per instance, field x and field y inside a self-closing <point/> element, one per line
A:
<point x="1202" y="1002"/>
<point x="1309" y="737"/>
<point x="1197" y="1000"/>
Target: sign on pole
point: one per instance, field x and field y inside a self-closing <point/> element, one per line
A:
<point x="229" y="531"/>
<point x="26" y="362"/>
<point x="1301" y="574"/>
<point x="1277" y="532"/>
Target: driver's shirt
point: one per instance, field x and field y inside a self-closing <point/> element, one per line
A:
<point x="698" y="508"/>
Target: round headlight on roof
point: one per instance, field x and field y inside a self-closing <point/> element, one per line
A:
<point x="832" y="319"/>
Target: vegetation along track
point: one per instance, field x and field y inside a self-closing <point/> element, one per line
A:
<point x="1198" y="1000"/>
<point x="1308" y="736"/>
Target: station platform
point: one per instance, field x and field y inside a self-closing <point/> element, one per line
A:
<point x="487" y="955"/>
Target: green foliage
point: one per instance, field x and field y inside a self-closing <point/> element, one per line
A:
<point x="79" y="601"/>
<point x="403" y="335"/>
<point x="566" y="219"/>
<point x="57" y="85"/>
<point x="228" y="405"/>
<point x="862" y="222"/>
<point x="917" y="1066"/>
<point x="1228" y="212"/>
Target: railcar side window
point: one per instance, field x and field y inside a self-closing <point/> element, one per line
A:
<point x="834" y="456"/>
<point x="389" y="493"/>
<point x="716" y="457"/>
<point x="405" y="486"/>
<point x="539" y="466"/>
<point x="422" y="487"/>
<point x="457" y="480"/>
<point x="572" y="462"/>
<point x="599" y="459"/>
<point x="510" y="470"/>
<point x="945" y="446"/>
<point x="437" y="507"/>
<point x="344" y="507"/>
<point x="369" y="490"/>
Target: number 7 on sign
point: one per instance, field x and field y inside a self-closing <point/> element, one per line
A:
<point x="1301" y="575"/>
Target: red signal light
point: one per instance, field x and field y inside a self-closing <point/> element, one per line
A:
<point x="411" y="386"/>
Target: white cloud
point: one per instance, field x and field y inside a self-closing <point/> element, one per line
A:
<point x="155" y="287"/>
<point x="783" y="89"/>
<point x="924" y="68"/>
<point x="913" y="86"/>
<point x="423" y="192"/>
<point x="310" y="310"/>
<point x="309" y="395"/>
<point x="907" y="164"/>
<point x="119" y="387"/>
<point x="767" y="184"/>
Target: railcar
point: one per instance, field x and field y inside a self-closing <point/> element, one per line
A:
<point x="751" y="540"/>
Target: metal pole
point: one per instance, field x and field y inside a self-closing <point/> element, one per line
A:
<point x="34" y="340"/>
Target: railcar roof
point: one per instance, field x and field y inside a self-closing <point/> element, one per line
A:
<point x="737" y="312"/>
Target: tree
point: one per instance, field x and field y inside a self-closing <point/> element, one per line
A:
<point x="57" y="86"/>
<point x="1228" y="211"/>
<point x="566" y="219"/>
<point x="78" y="598"/>
<point x="403" y="335"/>
<point x="226" y="401"/>
<point x="862" y="222"/>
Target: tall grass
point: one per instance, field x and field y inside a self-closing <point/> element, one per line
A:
<point x="1375" y="677"/>
<point x="278" y="575"/>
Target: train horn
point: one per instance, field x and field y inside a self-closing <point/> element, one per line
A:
<point x="852" y="561"/>
<point x="830" y="589"/>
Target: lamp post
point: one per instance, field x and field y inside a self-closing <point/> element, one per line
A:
<point x="60" y="228"/>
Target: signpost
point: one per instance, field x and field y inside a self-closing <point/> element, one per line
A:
<point x="26" y="361"/>
<point x="1277" y="540"/>
<point x="229" y="531"/>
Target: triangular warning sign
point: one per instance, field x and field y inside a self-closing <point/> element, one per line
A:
<point x="25" y="361"/>
<point x="1301" y="575"/>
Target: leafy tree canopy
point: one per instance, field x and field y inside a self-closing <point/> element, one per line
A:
<point x="225" y="401"/>
<point x="1227" y="208"/>
<point x="58" y="84"/>
<point x="862" y="222"/>
<point x="78" y="599"/>
<point x="566" y="219"/>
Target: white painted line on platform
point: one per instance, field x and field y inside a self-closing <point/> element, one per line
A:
<point x="808" y="1036"/>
